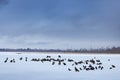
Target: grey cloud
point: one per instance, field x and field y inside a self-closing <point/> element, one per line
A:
<point x="3" y="2"/>
<point x="71" y="22"/>
<point x="24" y="41"/>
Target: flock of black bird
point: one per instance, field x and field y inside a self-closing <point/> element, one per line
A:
<point x="77" y="66"/>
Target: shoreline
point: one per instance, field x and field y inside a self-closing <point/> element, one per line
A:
<point x="59" y="52"/>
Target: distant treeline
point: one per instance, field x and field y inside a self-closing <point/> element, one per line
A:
<point x="100" y="50"/>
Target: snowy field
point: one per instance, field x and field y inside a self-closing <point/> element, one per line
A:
<point x="15" y="66"/>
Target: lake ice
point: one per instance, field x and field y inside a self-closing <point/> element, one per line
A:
<point x="29" y="70"/>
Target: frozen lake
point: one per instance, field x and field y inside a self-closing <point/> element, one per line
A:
<point x="25" y="69"/>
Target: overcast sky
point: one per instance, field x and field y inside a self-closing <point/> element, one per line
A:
<point x="59" y="23"/>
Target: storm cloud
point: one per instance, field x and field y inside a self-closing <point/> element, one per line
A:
<point x="3" y="3"/>
<point x="62" y="20"/>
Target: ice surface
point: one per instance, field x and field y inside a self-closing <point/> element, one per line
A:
<point x="22" y="70"/>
